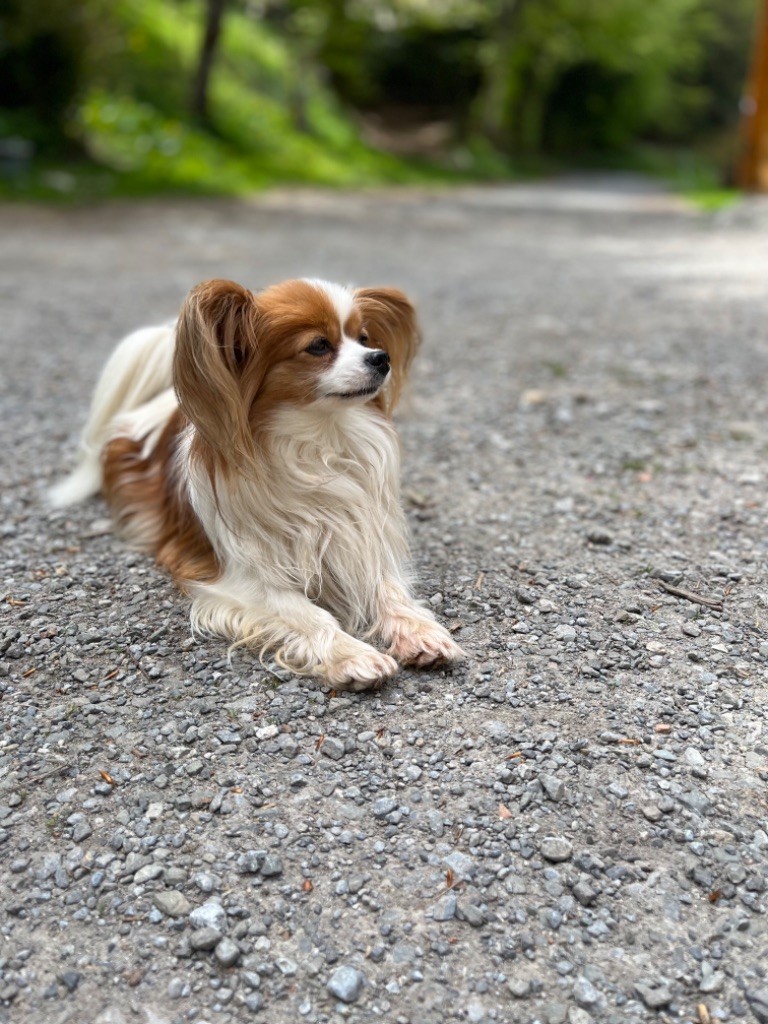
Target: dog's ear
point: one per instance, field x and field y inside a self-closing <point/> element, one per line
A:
<point x="217" y="367"/>
<point x="391" y="323"/>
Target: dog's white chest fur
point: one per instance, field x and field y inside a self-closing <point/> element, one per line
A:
<point x="322" y="514"/>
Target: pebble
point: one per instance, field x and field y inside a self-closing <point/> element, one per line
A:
<point x="172" y="903"/>
<point x="585" y="993"/>
<point x="209" y="915"/>
<point x="346" y="983"/>
<point x="556" y="849"/>
<point x="655" y="997"/>
<point x="384" y="806"/>
<point x="204" y="938"/>
<point x="332" y="748"/>
<point x="227" y="952"/>
<point x="70" y="980"/>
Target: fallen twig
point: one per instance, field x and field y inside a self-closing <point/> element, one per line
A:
<point x="688" y="595"/>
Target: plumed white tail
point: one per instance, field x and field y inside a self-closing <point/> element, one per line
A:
<point x="137" y="371"/>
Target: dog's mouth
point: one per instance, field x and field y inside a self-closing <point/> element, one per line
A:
<point x="362" y="393"/>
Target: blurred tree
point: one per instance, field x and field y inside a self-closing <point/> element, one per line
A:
<point x="214" y="13"/>
<point x="584" y="74"/>
<point x="41" y="69"/>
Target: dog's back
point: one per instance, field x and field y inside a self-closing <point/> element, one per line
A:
<point x="138" y="372"/>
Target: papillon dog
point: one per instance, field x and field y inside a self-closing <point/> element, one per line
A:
<point x="249" y="446"/>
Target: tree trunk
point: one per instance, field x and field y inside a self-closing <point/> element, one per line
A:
<point x="492" y="106"/>
<point x="214" y="16"/>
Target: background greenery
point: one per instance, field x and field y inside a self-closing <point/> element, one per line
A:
<point x="95" y="95"/>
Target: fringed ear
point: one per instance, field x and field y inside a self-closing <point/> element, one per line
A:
<point x="217" y="369"/>
<point x="391" y="323"/>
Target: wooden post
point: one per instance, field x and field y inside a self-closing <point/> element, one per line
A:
<point x="753" y="168"/>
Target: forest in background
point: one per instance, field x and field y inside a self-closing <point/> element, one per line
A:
<point x="101" y="97"/>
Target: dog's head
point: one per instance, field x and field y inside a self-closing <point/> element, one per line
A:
<point x="239" y="354"/>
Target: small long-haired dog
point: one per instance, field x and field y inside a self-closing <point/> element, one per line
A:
<point x="249" y="446"/>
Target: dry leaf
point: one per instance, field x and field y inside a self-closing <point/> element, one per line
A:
<point x="504" y="812"/>
<point x="307" y="885"/>
<point x="450" y="879"/>
<point x="630" y="742"/>
<point x="715" y="895"/>
<point x="28" y="673"/>
<point x="703" y="1012"/>
<point x="107" y="778"/>
<point x="320" y="741"/>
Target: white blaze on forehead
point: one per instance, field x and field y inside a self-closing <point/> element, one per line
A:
<point x="343" y="299"/>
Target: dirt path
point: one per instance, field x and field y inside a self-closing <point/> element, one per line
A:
<point x="588" y="423"/>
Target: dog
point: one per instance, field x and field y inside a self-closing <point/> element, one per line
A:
<point x="250" y="447"/>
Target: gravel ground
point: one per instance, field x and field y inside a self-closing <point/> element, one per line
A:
<point x="571" y="827"/>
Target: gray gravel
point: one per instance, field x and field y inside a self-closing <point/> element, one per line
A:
<point x="571" y="827"/>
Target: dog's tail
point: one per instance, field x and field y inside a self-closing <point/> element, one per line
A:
<point x="137" y="371"/>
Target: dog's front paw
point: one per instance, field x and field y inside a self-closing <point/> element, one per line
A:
<point x="366" y="669"/>
<point x="424" y="645"/>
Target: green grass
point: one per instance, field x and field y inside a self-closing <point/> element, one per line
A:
<point x="134" y="125"/>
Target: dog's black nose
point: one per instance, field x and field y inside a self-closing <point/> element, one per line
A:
<point x="378" y="360"/>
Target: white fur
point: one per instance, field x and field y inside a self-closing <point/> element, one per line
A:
<point x="138" y="369"/>
<point x="349" y="372"/>
<point x="312" y="541"/>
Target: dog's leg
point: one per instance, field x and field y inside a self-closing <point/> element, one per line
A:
<point x="299" y="635"/>
<point x="412" y="634"/>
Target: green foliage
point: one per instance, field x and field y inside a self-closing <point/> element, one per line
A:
<point x="521" y="84"/>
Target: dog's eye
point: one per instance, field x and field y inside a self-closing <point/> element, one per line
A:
<point x="319" y="347"/>
<point x="363" y="339"/>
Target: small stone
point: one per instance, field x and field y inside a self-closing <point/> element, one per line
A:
<point x="251" y="862"/>
<point x="599" y="535"/>
<point x="272" y="866"/>
<point x="585" y="993"/>
<point x="346" y="984"/>
<point x="472" y="914"/>
<point x="204" y="938"/>
<point x="655" y="997"/>
<point x="712" y="982"/>
<point x="556" y="849"/>
<point x="445" y="908"/>
<point x="227" y="953"/>
<point x="172" y="903"/>
<point x="553" y="787"/>
<point x="758" y="1003"/>
<point x="577" y="1015"/>
<point x="148" y="873"/>
<point x="81" y="831"/>
<point x="267" y="732"/>
<point x="694" y="758"/>
<point x="332" y="748"/>
<point x="584" y="893"/>
<point x="519" y="988"/>
<point x="565" y="633"/>
<point x="176" y="988"/>
<point x="383" y="806"/>
<point x="70" y="980"/>
<point x="460" y="864"/>
<point x="651" y="812"/>
<point x="209" y="915"/>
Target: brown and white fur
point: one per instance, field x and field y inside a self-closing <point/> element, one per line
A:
<point x="250" y="448"/>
